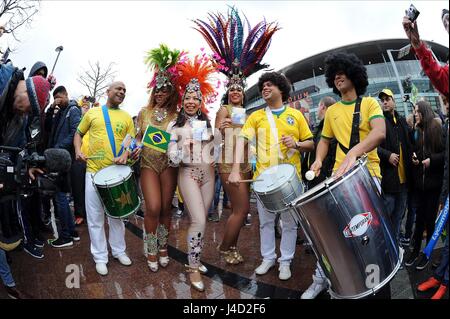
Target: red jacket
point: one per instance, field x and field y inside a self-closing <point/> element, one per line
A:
<point x="437" y="73"/>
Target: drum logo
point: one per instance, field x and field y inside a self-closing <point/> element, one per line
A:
<point x="358" y="225"/>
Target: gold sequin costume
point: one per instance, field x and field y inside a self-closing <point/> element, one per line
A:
<point x="228" y="149"/>
<point x="151" y="158"/>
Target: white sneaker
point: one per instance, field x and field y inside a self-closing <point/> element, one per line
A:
<point x="124" y="260"/>
<point x="285" y="272"/>
<point x="264" y="267"/>
<point x="101" y="268"/>
<point x="318" y="285"/>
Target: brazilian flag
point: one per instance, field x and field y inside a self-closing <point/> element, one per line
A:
<point x="156" y="139"/>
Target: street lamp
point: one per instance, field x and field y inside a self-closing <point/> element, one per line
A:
<point x="58" y="49"/>
<point x="399" y="83"/>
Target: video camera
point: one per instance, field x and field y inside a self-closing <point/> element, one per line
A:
<point x="90" y="99"/>
<point x="15" y="163"/>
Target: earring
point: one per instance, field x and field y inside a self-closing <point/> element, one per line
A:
<point x="199" y="112"/>
<point x="182" y="111"/>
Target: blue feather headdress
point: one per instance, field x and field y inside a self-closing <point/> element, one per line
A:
<point x="235" y="56"/>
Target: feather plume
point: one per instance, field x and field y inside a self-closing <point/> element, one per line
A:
<point x="226" y="38"/>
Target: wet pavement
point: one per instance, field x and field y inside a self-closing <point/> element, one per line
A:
<point x="55" y="276"/>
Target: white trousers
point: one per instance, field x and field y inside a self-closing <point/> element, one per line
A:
<point x="96" y="225"/>
<point x="267" y="235"/>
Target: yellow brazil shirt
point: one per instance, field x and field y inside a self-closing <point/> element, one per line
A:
<point x="99" y="149"/>
<point x="338" y="124"/>
<point x="288" y="122"/>
<point x="401" y="166"/>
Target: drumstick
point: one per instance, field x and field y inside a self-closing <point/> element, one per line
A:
<point x="248" y="181"/>
<point x="95" y="157"/>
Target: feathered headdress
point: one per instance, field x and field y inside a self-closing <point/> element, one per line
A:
<point x="196" y="75"/>
<point x="237" y="58"/>
<point x="162" y="61"/>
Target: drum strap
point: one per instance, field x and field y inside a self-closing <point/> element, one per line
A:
<point x="109" y="130"/>
<point x="273" y="130"/>
<point x="354" y="136"/>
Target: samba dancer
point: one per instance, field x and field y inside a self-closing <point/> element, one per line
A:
<point x="277" y="122"/>
<point x="347" y="76"/>
<point x="237" y="64"/>
<point x="100" y="156"/>
<point x="158" y="179"/>
<point x="188" y="149"/>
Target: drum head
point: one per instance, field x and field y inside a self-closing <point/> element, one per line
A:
<point x="273" y="178"/>
<point x="111" y="175"/>
<point x="329" y="183"/>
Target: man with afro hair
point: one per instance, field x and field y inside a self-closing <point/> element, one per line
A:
<point x="282" y="134"/>
<point x="347" y="76"/>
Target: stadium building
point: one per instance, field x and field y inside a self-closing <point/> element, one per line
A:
<point x="390" y="64"/>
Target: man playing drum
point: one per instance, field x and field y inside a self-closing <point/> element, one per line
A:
<point x="356" y="123"/>
<point x="102" y="154"/>
<point x="281" y="133"/>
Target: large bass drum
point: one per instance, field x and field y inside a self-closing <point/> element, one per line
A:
<point x="345" y="221"/>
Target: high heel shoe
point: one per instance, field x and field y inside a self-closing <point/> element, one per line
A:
<point x="202" y="268"/>
<point x="198" y="285"/>
<point x="153" y="265"/>
<point x="236" y="254"/>
<point x="163" y="260"/>
<point x="229" y="256"/>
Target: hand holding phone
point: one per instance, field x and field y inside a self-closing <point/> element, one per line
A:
<point x="412" y="13"/>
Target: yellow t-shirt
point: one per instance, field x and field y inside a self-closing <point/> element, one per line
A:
<point x="401" y="166"/>
<point x="338" y="124"/>
<point x="289" y="122"/>
<point x="85" y="144"/>
<point x="99" y="147"/>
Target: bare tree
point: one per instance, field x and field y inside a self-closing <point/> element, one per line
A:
<point x="97" y="79"/>
<point x="17" y="13"/>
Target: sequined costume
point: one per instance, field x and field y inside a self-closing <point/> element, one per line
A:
<point x="151" y="158"/>
<point x="228" y="149"/>
<point x="196" y="185"/>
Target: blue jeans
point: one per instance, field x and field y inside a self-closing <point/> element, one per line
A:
<point x="441" y="272"/>
<point x="396" y="205"/>
<point x="5" y="271"/>
<point x="65" y="216"/>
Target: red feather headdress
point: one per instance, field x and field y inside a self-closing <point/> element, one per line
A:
<point x="196" y="75"/>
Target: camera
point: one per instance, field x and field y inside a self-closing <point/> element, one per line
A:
<point x="15" y="163"/>
<point x="412" y="13"/>
<point x="90" y="99"/>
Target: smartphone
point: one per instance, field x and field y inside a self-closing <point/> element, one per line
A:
<point x="412" y="13"/>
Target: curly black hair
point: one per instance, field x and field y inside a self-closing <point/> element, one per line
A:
<point x="352" y="67"/>
<point x="277" y="79"/>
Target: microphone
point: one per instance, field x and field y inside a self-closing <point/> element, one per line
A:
<point x="57" y="160"/>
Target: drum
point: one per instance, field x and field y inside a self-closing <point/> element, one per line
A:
<point x="116" y="188"/>
<point x="277" y="186"/>
<point x="345" y="221"/>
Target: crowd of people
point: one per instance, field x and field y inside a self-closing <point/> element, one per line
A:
<point x="408" y="160"/>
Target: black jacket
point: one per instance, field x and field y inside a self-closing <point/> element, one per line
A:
<point x="396" y="134"/>
<point x="432" y="177"/>
<point x="328" y="162"/>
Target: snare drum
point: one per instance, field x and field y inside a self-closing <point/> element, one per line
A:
<point x="345" y="221"/>
<point x="277" y="186"/>
<point x="116" y="188"/>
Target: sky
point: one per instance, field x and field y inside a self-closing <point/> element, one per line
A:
<point x="122" y="31"/>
